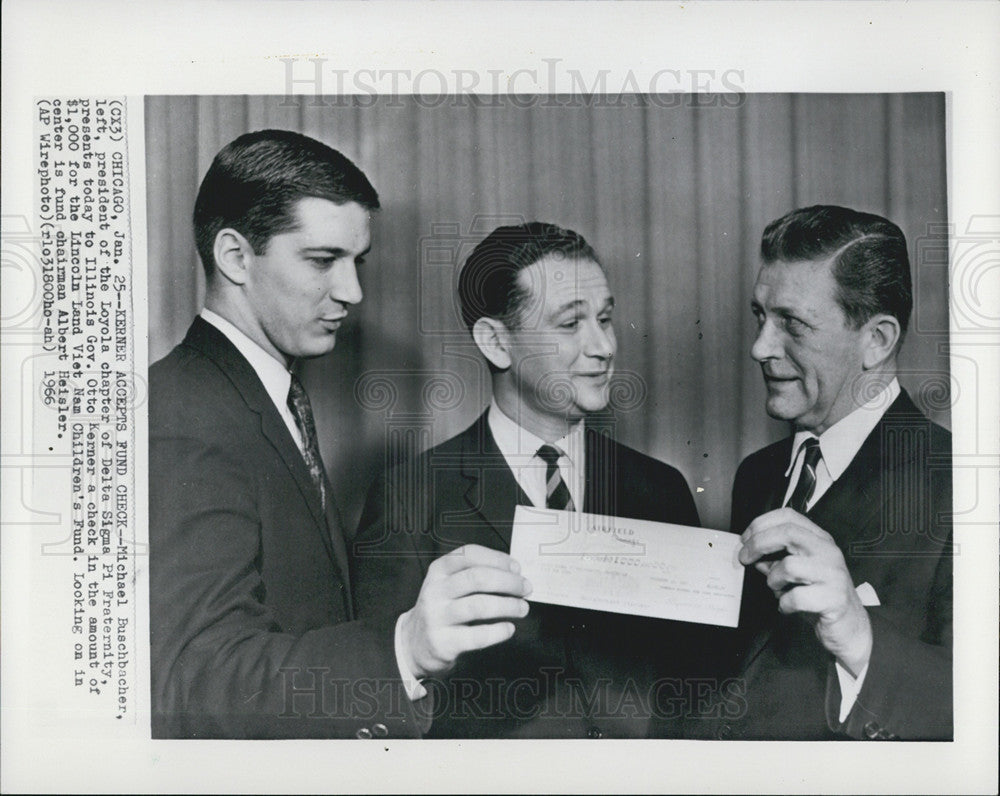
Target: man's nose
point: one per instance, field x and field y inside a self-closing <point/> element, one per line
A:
<point x="767" y="344"/>
<point x="601" y="342"/>
<point x="345" y="286"/>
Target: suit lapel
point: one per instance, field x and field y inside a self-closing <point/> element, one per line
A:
<point x="491" y="489"/>
<point x="855" y="494"/>
<point x="774" y="488"/>
<point x="858" y="493"/>
<point x="335" y="535"/>
<point x="205" y="338"/>
<point x="274" y="428"/>
<point x="759" y="605"/>
<point x="601" y="485"/>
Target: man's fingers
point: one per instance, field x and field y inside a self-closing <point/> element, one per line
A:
<point x="472" y="584"/>
<point x="794" y="538"/>
<point x="818" y="598"/>
<point x="784" y="516"/>
<point x="484" y="580"/>
<point x="474" y="555"/>
<point x="791" y="571"/>
<point x="476" y="637"/>
<point x="764" y="567"/>
<point x="486" y="608"/>
<point x="768" y="541"/>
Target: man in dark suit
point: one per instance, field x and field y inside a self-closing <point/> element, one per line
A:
<point x="253" y="632"/>
<point x="847" y="524"/>
<point x="539" y="308"/>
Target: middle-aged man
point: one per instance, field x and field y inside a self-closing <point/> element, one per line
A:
<point x="252" y="625"/>
<point x="538" y="305"/>
<point x="846" y="524"/>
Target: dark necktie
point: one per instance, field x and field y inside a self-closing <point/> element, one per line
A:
<point x="298" y="403"/>
<point x="807" y="476"/>
<point x="556" y="492"/>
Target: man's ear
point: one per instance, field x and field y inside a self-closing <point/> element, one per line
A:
<point x="492" y="338"/>
<point x="233" y="255"/>
<point x="881" y="339"/>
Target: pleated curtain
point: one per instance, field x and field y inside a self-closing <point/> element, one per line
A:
<point x="673" y="193"/>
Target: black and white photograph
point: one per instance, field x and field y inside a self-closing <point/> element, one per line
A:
<point x="598" y="303"/>
<point x="525" y="396"/>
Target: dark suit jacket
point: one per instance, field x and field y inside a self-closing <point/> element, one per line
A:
<point x="566" y="672"/>
<point x="890" y="513"/>
<point x="250" y="610"/>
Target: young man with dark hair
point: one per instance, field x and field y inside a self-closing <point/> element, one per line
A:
<point x="255" y="182"/>
<point x="846" y="524"/>
<point x="253" y="630"/>
<point x="539" y="308"/>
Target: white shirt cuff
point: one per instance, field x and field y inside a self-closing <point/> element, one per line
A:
<point x="850" y="687"/>
<point x="414" y="689"/>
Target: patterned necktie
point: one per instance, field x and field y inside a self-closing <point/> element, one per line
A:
<point x="298" y="404"/>
<point x="807" y="477"/>
<point x="556" y="492"/>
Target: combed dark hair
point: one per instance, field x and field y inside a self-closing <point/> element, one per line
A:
<point x="254" y="183"/>
<point x="870" y="262"/>
<point x="487" y="284"/>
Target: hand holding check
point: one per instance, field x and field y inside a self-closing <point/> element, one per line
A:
<point x="811" y="579"/>
<point x="464" y="598"/>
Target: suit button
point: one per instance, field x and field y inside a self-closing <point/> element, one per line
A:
<point x="594" y="732"/>
<point x="872" y="730"/>
<point x="364" y="734"/>
<point x="725" y="732"/>
<point x="380" y="730"/>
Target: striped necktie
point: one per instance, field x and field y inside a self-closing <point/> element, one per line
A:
<point x="556" y="492"/>
<point x="807" y="476"/>
<point x="298" y="404"/>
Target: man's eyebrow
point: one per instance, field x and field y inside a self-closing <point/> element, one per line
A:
<point x="336" y="251"/>
<point x="787" y="312"/>
<point x="569" y="305"/>
<point x="795" y="314"/>
<point x="777" y="310"/>
<point x="577" y="303"/>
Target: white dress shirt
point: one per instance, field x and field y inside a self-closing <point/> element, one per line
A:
<point x="276" y="379"/>
<point x="520" y="450"/>
<point x="839" y="444"/>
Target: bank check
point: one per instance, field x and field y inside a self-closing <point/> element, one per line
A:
<point x="629" y="566"/>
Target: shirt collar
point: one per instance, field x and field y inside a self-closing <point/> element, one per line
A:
<point x="515" y="441"/>
<point x="273" y="374"/>
<point x="840" y="443"/>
